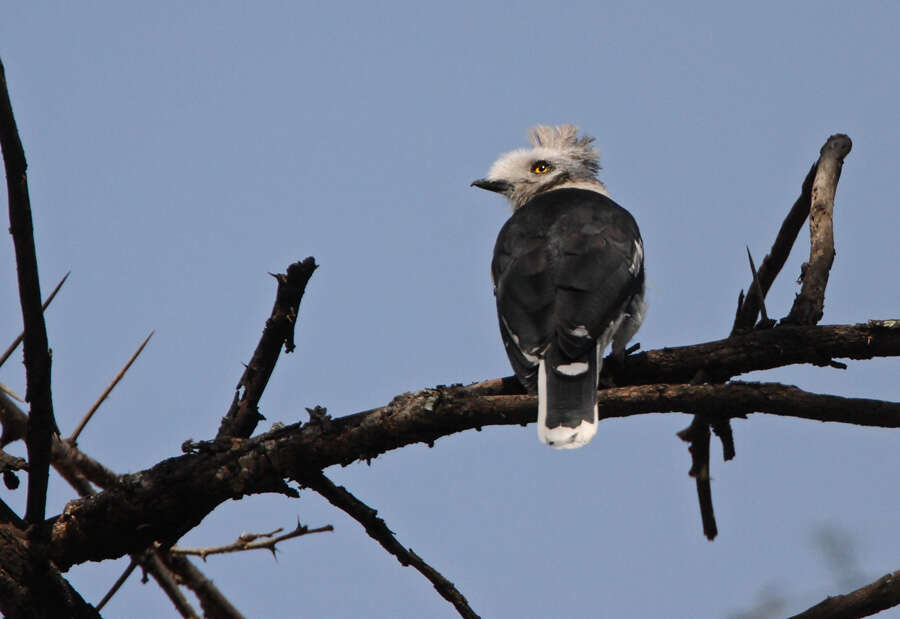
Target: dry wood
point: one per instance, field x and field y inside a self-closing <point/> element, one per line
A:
<point x="810" y="303"/>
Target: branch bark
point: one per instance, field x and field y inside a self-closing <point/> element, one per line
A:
<point x="882" y="594"/>
<point x="41" y="424"/>
<point x="241" y="419"/>
<point x="31" y="588"/>
<point x="165" y="501"/>
<point x="810" y="303"/>
<point x="774" y="261"/>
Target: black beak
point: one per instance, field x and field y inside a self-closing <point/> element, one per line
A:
<point x="498" y="186"/>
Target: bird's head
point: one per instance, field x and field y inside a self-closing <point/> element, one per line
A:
<point x="558" y="158"/>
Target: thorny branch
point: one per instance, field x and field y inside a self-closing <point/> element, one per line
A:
<point x="251" y="541"/>
<point x="771" y="265"/>
<point x="242" y="417"/>
<point x="41" y="424"/>
<point x="148" y="506"/>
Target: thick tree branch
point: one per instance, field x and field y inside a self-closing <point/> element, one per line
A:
<point x="166" y="501"/>
<point x="750" y="352"/>
<point x="242" y="417"/>
<point x="341" y="498"/>
<point x="31" y="588"/>
<point x="810" y="303"/>
<point x="882" y="594"/>
<point x="41" y="424"/>
<point x="78" y="469"/>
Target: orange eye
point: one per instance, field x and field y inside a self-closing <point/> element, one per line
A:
<point x="541" y="167"/>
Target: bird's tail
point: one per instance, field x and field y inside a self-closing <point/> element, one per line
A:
<point x="567" y="398"/>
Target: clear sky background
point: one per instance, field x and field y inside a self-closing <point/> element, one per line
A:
<point x="179" y="153"/>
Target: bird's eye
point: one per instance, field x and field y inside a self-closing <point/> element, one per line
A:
<point x="541" y="167"/>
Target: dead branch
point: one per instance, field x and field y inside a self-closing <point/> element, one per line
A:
<point x="148" y="506"/>
<point x="341" y="498"/>
<point x="698" y="436"/>
<point x="882" y="594"/>
<point x="79" y="470"/>
<point x="41" y="424"/>
<point x="809" y="304"/>
<point x="31" y="587"/>
<point x="251" y="541"/>
<point x="777" y="256"/>
<point x="726" y="358"/>
<point x="242" y="417"/>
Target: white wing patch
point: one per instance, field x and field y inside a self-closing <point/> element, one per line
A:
<point x="530" y="358"/>
<point x="572" y="369"/>
<point x="637" y="258"/>
<point x="580" y="331"/>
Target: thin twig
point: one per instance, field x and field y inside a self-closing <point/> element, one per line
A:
<point x="41" y="424"/>
<point x="15" y="344"/>
<point x="87" y="416"/>
<point x="118" y="584"/>
<point x="242" y="417"/>
<point x="214" y="604"/>
<point x="378" y="530"/>
<point x="251" y="541"/>
<point x="810" y="303"/>
<point x="166" y="581"/>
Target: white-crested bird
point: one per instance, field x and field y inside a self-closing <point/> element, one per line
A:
<point x="568" y="272"/>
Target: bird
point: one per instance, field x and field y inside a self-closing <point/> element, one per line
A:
<point x="568" y="275"/>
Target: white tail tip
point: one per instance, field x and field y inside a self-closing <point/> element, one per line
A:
<point x="562" y="437"/>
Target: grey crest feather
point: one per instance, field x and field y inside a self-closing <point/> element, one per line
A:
<point x="565" y="138"/>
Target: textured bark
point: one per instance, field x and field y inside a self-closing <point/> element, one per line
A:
<point x="810" y="303"/>
<point x="726" y="358"/>
<point x="748" y="308"/>
<point x="241" y="419"/>
<point x="164" y="502"/>
<point x="31" y="588"/>
<point x="882" y="594"/>
<point x="41" y="424"/>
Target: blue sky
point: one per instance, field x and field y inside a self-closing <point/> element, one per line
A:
<point x="178" y="154"/>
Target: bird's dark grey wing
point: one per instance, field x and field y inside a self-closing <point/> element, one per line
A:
<point x="565" y="264"/>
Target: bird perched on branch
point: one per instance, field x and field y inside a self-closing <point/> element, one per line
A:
<point x="568" y="274"/>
